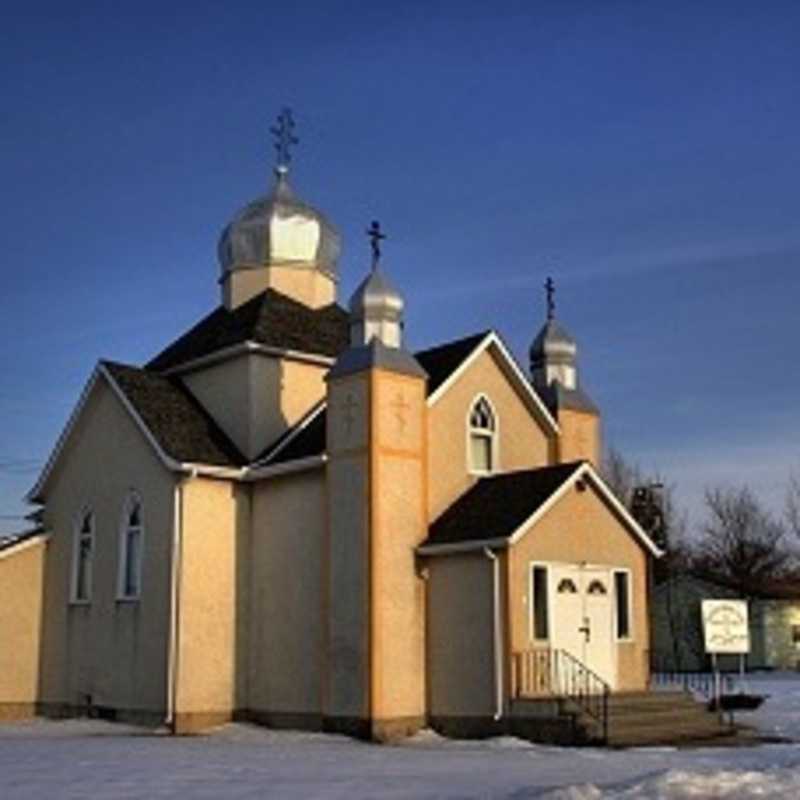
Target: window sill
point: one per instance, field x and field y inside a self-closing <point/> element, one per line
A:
<point x="125" y="599"/>
<point x="80" y="603"/>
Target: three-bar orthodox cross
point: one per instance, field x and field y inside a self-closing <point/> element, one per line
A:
<point x="376" y="236"/>
<point x="550" y="289"/>
<point x="284" y="139"/>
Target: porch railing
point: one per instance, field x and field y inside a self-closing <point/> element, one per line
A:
<point x="544" y="672"/>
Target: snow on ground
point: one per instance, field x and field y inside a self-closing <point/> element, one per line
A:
<point x="87" y="758"/>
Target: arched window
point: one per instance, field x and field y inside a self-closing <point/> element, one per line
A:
<point x="482" y="437"/>
<point x="83" y="557"/>
<point x="130" y="549"/>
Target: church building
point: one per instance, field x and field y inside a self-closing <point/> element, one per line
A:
<point x="288" y="517"/>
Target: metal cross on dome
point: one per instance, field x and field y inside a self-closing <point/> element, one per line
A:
<point x="284" y="138"/>
<point x="376" y="235"/>
<point x="550" y="289"/>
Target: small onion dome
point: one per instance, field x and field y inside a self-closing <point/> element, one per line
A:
<point x="279" y="229"/>
<point x="553" y="345"/>
<point x="376" y="310"/>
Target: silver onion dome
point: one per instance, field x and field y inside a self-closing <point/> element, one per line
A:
<point x="553" y="344"/>
<point x="376" y="310"/>
<point x="279" y="228"/>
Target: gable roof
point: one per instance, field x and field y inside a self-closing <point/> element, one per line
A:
<point x="307" y="438"/>
<point x="442" y="361"/>
<point x="499" y="510"/>
<point x="491" y="340"/>
<point x="178" y="428"/>
<point x="17" y="542"/>
<point x="184" y="430"/>
<point x="271" y="319"/>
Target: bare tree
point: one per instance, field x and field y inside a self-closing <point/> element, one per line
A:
<point x="741" y="541"/>
<point x="792" y="510"/>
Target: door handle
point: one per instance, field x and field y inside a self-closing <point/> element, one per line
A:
<point x="585" y="629"/>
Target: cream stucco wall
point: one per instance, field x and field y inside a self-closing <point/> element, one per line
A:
<point x="215" y="515"/>
<point x="114" y="651"/>
<point x="580" y="438"/>
<point x="305" y="284"/>
<point x="460" y="635"/>
<point x="21" y="574"/>
<point x="399" y="525"/>
<point x="348" y="591"/>
<point x="255" y="398"/>
<point x="581" y="528"/>
<point x="286" y="655"/>
<point x="522" y="441"/>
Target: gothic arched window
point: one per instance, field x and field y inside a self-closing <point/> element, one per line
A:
<point x="482" y="437"/>
<point x="130" y="549"/>
<point x="83" y="557"/>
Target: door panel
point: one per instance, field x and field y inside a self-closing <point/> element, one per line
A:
<point x="581" y="603"/>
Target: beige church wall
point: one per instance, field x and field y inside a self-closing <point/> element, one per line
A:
<point x="461" y="636"/>
<point x="580" y="438"/>
<point x="308" y="286"/>
<point x="220" y="388"/>
<point x="112" y="651"/>
<point x="283" y="390"/>
<point x="346" y="695"/>
<point x="286" y="618"/>
<point x="348" y="626"/>
<point x="207" y="602"/>
<point x="255" y="398"/>
<point x="523" y="443"/>
<point x="582" y="528"/>
<point x="21" y="579"/>
<point x="398" y="497"/>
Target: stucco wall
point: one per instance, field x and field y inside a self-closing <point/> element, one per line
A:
<point x="213" y="514"/>
<point x="254" y="397"/>
<point x="286" y="616"/>
<point x="582" y="528"/>
<point x="460" y="635"/>
<point x="580" y="437"/>
<point x="399" y="524"/>
<point x="347" y="693"/>
<point x="21" y="574"/>
<point x="113" y="650"/>
<point x="308" y="286"/>
<point x="523" y="442"/>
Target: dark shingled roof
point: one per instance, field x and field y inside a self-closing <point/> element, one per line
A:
<point x="13" y="539"/>
<point x="271" y="319"/>
<point x="496" y="506"/>
<point x="439" y="362"/>
<point x="442" y="361"/>
<point x="180" y="425"/>
<point x="305" y="443"/>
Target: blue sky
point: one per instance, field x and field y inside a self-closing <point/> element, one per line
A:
<point x="645" y="154"/>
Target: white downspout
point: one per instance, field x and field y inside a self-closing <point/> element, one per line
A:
<point x="498" y="635"/>
<point x="174" y="590"/>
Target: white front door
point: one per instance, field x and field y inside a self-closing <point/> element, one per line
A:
<point x="582" y="617"/>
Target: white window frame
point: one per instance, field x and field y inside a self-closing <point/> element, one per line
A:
<point x="492" y="435"/>
<point x="77" y="539"/>
<point x="133" y="498"/>
<point x="547" y="567"/>
<point x="629" y="573"/>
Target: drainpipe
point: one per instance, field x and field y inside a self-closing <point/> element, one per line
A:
<point x="174" y="590"/>
<point x="498" y="635"/>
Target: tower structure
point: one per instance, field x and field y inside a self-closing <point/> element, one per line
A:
<point x="278" y="241"/>
<point x="376" y="446"/>
<point x="554" y="373"/>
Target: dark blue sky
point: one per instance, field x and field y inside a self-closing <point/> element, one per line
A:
<point x="645" y="154"/>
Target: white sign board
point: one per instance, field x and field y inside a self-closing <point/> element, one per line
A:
<point x="725" y="627"/>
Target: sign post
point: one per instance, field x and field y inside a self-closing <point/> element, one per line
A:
<point x="725" y="631"/>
